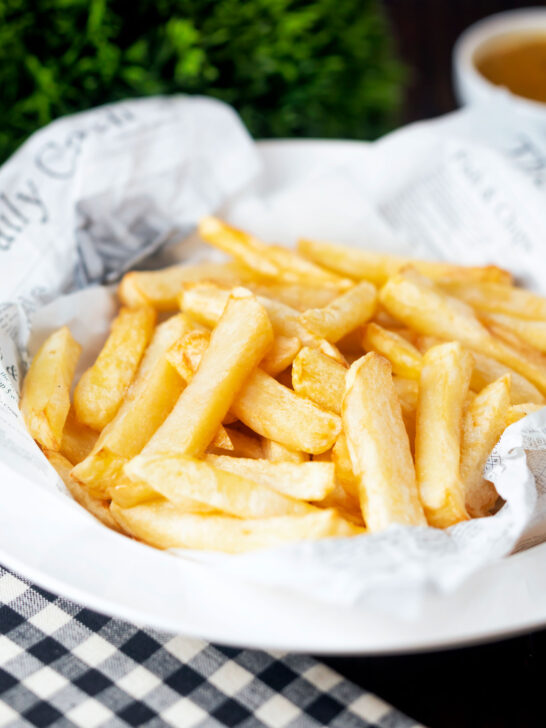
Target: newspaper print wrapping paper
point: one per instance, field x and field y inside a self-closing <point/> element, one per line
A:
<point x="88" y="197"/>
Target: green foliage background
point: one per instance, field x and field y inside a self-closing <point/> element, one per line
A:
<point x="290" y="67"/>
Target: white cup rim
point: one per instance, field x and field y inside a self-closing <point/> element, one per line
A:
<point x="509" y="21"/>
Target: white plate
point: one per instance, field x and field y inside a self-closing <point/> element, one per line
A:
<point x="152" y="588"/>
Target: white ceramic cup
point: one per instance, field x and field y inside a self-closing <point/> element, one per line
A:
<point x="473" y="88"/>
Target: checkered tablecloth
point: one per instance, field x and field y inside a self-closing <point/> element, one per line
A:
<point x="64" y="665"/>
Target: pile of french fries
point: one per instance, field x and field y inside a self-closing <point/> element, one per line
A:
<point x="287" y="395"/>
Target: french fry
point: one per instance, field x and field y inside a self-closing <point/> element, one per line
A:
<point x="186" y="352"/>
<point x="149" y="400"/>
<point x="178" y="478"/>
<point x="296" y="295"/>
<point x="161" y="288"/>
<point x="498" y="298"/>
<point x="518" y="411"/>
<point x="379" y="447"/>
<point x="533" y="333"/>
<point x="418" y="303"/>
<point x="100" y="391"/>
<point x="237" y="345"/>
<point x="281" y="355"/>
<point x="163" y="526"/>
<point x="443" y="388"/>
<point x="129" y="493"/>
<point x="205" y="303"/>
<point x="319" y="378"/>
<point x="378" y="267"/>
<point x="276" y="412"/>
<point x="345" y="475"/>
<point x="405" y="358"/>
<point x="97" y="507"/>
<point x="309" y="481"/>
<point x="353" y="308"/>
<point x="242" y="445"/>
<point x="267" y="261"/>
<point x="45" y="399"/>
<point x="78" y="440"/>
<point x="487" y="370"/>
<point x="347" y="505"/>
<point x="483" y="423"/>
<point x="278" y="453"/>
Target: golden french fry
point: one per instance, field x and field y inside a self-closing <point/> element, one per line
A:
<point x="100" y="391"/>
<point x="418" y="303"/>
<point x="499" y="298"/>
<point x="378" y="267"/>
<point x="129" y="493"/>
<point x="281" y="355"/>
<point x="186" y="353"/>
<point x="237" y="345"/>
<point x="78" y="440"/>
<point x="45" y="399"/>
<point x="379" y="447"/>
<point x="347" y="505"/>
<point x="278" y="453"/>
<point x="483" y="423"/>
<point x="276" y="412"/>
<point x="163" y="526"/>
<point x="487" y="370"/>
<point x="319" y="378"/>
<point x="308" y="481"/>
<point x="345" y="475"/>
<point x="96" y="506"/>
<point x="242" y="445"/>
<point x="533" y="333"/>
<point x="405" y="358"/>
<point x="353" y="308"/>
<point x="518" y="411"/>
<point x="161" y="288"/>
<point x="178" y="478"/>
<point x="296" y="295"/>
<point x="205" y="303"/>
<point x="149" y="400"/>
<point x="443" y="388"/>
<point x="268" y="261"/>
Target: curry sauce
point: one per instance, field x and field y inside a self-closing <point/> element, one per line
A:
<point x="517" y="62"/>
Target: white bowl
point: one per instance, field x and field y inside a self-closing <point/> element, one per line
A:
<point x="473" y="88"/>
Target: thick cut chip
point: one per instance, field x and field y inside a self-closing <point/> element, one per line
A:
<point x="149" y="400"/>
<point x="533" y="333"/>
<point x="100" y="391"/>
<point x="98" y="507"/>
<point x="45" y="400"/>
<point x="242" y="445"/>
<point x="161" y="288"/>
<point x="353" y="308"/>
<point x="179" y="478"/>
<point x="308" y="481"/>
<point x="498" y="298"/>
<point x="518" y="411"/>
<point x="487" y="370"/>
<point x="319" y="378"/>
<point x="345" y="475"/>
<point x="276" y="412"/>
<point x="298" y="296"/>
<point x="281" y="355"/>
<point x="278" y="453"/>
<point x="484" y="421"/>
<point x="414" y="300"/>
<point x="443" y="390"/>
<point x="268" y="261"/>
<point x="379" y="447"/>
<point x="405" y="358"/>
<point x="129" y="493"/>
<point x="205" y="302"/>
<point x="163" y="526"/>
<point x="378" y="267"/>
<point x="78" y="440"/>
<point x="238" y="343"/>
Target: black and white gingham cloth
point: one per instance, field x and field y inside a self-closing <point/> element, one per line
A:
<point x="64" y="665"/>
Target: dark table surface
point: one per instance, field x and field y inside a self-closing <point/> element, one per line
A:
<point x="496" y="685"/>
